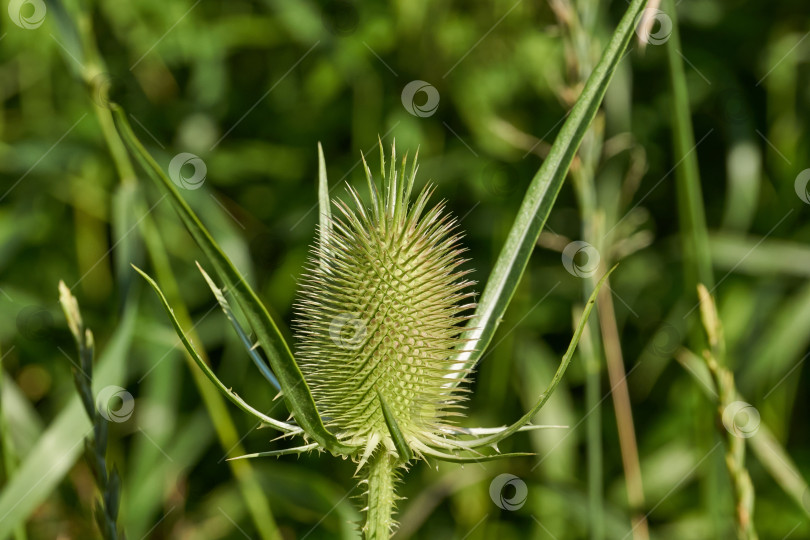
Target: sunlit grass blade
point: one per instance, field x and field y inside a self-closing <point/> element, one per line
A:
<point x="541" y="194"/>
<point x="295" y="389"/>
<point x="235" y="399"/>
<point x="243" y="336"/>
<point x="566" y="360"/>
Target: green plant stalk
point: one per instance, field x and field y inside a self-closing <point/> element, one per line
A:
<point x="694" y="236"/>
<point x="593" y="379"/>
<point x="697" y="265"/>
<point x="381" y="497"/>
<point x="255" y="499"/>
<point x="607" y="342"/>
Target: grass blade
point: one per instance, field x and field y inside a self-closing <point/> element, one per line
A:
<point x="295" y="389"/>
<point x="540" y="196"/>
<point x="695" y="238"/>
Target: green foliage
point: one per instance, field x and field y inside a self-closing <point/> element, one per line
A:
<point x="250" y="88"/>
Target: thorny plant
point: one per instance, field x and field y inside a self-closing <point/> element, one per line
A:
<point x="387" y="335"/>
<point x="379" y="330"/>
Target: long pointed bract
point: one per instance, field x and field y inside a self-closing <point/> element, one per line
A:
<point x="295" y="389"/>
<point x="540" y="197"/>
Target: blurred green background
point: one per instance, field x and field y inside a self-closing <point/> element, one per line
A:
<point x="250" y="88"/>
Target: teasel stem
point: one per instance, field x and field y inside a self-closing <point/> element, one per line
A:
<point x="381" y="496"/>
<point x="727" y="395"/>
<point x="108" y="483"/>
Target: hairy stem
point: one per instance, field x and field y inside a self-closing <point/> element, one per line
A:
<point x="379" y="513"/>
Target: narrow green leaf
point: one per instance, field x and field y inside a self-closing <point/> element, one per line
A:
<point x="243" y="336"/>
<point x="401" y="445"/>
<point x="540" y="197"/>
<point x="295" y="389"/>
<point x="697" y="256"/>
<point x="235" y="399"/>
<point x="566" y="360"/>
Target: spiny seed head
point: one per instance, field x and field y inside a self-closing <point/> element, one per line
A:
<point x="379" y="313"/>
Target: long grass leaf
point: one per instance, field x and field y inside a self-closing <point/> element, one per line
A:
<point x="695" y="238"/>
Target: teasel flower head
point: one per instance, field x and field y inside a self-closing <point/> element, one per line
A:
<point x="379" y="317"/>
